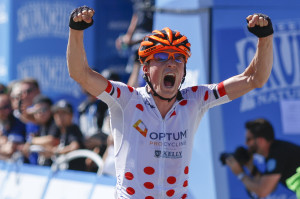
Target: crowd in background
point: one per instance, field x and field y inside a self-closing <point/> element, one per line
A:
<point x="28" y="118"/>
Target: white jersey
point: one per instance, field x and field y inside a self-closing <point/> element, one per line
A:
<point x="153" y="153"/>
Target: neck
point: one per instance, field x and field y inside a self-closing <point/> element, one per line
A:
<point x="163" y="106"/>
<point x="267" y="149"/>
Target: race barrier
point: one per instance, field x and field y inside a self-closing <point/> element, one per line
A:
<point x="23" y="181"/>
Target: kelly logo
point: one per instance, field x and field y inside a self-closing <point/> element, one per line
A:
<point x="140" y="127"/>
<point x="157" y="153"/>
<point x="168" y="154"/>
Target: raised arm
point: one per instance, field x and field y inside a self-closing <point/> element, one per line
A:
<point x="259" y="70"/>
<point x="79" y="70"/>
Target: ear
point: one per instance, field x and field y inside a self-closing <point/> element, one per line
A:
<point x="145" y="68"/>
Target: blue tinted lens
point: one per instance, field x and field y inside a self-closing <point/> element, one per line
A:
<point x="161" y="57"/>
<point x="179" y="58"/>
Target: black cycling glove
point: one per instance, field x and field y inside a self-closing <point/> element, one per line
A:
<point x="262" y="31"/>
<point x="82" y="24"/>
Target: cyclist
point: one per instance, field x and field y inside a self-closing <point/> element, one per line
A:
<point x="154" y="126"/>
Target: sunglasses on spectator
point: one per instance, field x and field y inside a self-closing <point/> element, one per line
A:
<point x="42" y="110"/>
<point x="5" y="107"/>
<point x="27" y="91"/>
<point x="164" y="56"/>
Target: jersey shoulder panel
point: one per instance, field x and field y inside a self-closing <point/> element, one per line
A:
<point x="117" y="92"/>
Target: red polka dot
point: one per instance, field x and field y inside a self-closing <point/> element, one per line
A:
<point x="194" y="88"/>
<point x="129" y="176"/>
<point x="119" y="92"/>
<point x="184" y="196"/>
<point x="186" y="170"/>
<point x="130" y="190"/>
<point x="183" y="102"/>
<point x="139" y="106"/>
<point x="185" y="184"/>
<point x="130" y="89"/>
<point x="171" y="180"/>
<point x="206" y="96"/>
<point x="149" y="170"/>
<point x="170" y="192"/>
<point x="149" y="185"/>
<point x="149" y="197"/>
<point x="173" y="114"/>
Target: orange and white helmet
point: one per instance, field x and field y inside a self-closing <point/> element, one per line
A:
<point x="163" y="40"/>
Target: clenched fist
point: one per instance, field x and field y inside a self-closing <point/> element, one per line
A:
<point x="260" y="25"/>
<point x="81" y="18"/>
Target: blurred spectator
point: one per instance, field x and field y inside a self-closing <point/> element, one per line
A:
<point x="29" y="89"/>
<point x="97" y="144"/>
<point x="12" y="130"/>
<point x="281" y="159"/>
<point x="109" y="158"/>
<point x="3" y="89"/>
<point x="22" y="95"/>
<point x="71" y="137"/>
<point x="92" y="112"/>
<point x="141" y="24"/>
<point x="91" y="115"/>
<point x="15" y="93"/>
<point x="47" y="136"/>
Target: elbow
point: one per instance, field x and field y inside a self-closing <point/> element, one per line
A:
<point x="258" y="84"/>
<point x="76" y="77"/>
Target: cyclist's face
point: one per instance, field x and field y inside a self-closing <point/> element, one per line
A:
<point x="165" y="73"/>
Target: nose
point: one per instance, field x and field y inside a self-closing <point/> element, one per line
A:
<point x="171" y="62"/>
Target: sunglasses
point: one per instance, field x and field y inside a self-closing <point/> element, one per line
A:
<point x="164" y="56"/>
<point x="27" y="91"/>
<point x="42" y="110"/>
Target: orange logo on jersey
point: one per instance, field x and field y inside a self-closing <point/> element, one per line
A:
<point x="140" y="127"/>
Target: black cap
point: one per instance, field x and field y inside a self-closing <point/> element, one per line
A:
<point x="42" y="99"/>
<point x="62" y="105"/>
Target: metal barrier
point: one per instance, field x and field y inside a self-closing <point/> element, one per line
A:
<point x="54" y="181"/>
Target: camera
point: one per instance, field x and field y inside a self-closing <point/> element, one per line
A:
<point x="241" y="154"/>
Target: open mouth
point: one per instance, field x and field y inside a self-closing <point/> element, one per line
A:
<point x="169" y="80"/>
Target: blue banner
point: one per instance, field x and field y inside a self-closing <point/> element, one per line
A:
<point x="35" y="42"/>
<point x="234" y="48"/>
<point x="113" y="19"/>
<point x="4" y="41"/>
<point x="255" y="3"/>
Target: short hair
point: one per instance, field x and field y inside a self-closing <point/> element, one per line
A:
<point x="261" y="128"/>
<point x="62" y="105"/>
<point x="31" y="81"/>
<point x="42" y="99"/>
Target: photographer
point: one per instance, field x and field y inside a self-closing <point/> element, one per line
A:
<point x="281" y="158"/>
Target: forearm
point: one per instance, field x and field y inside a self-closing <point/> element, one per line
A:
<point x="132" y="26"/>
<point x="71" y="147"/>
<point x="254" y="185"/>
<point x="44" y="140"/>
<point x="76" y="56"/>
<point x="260" y="68"/>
